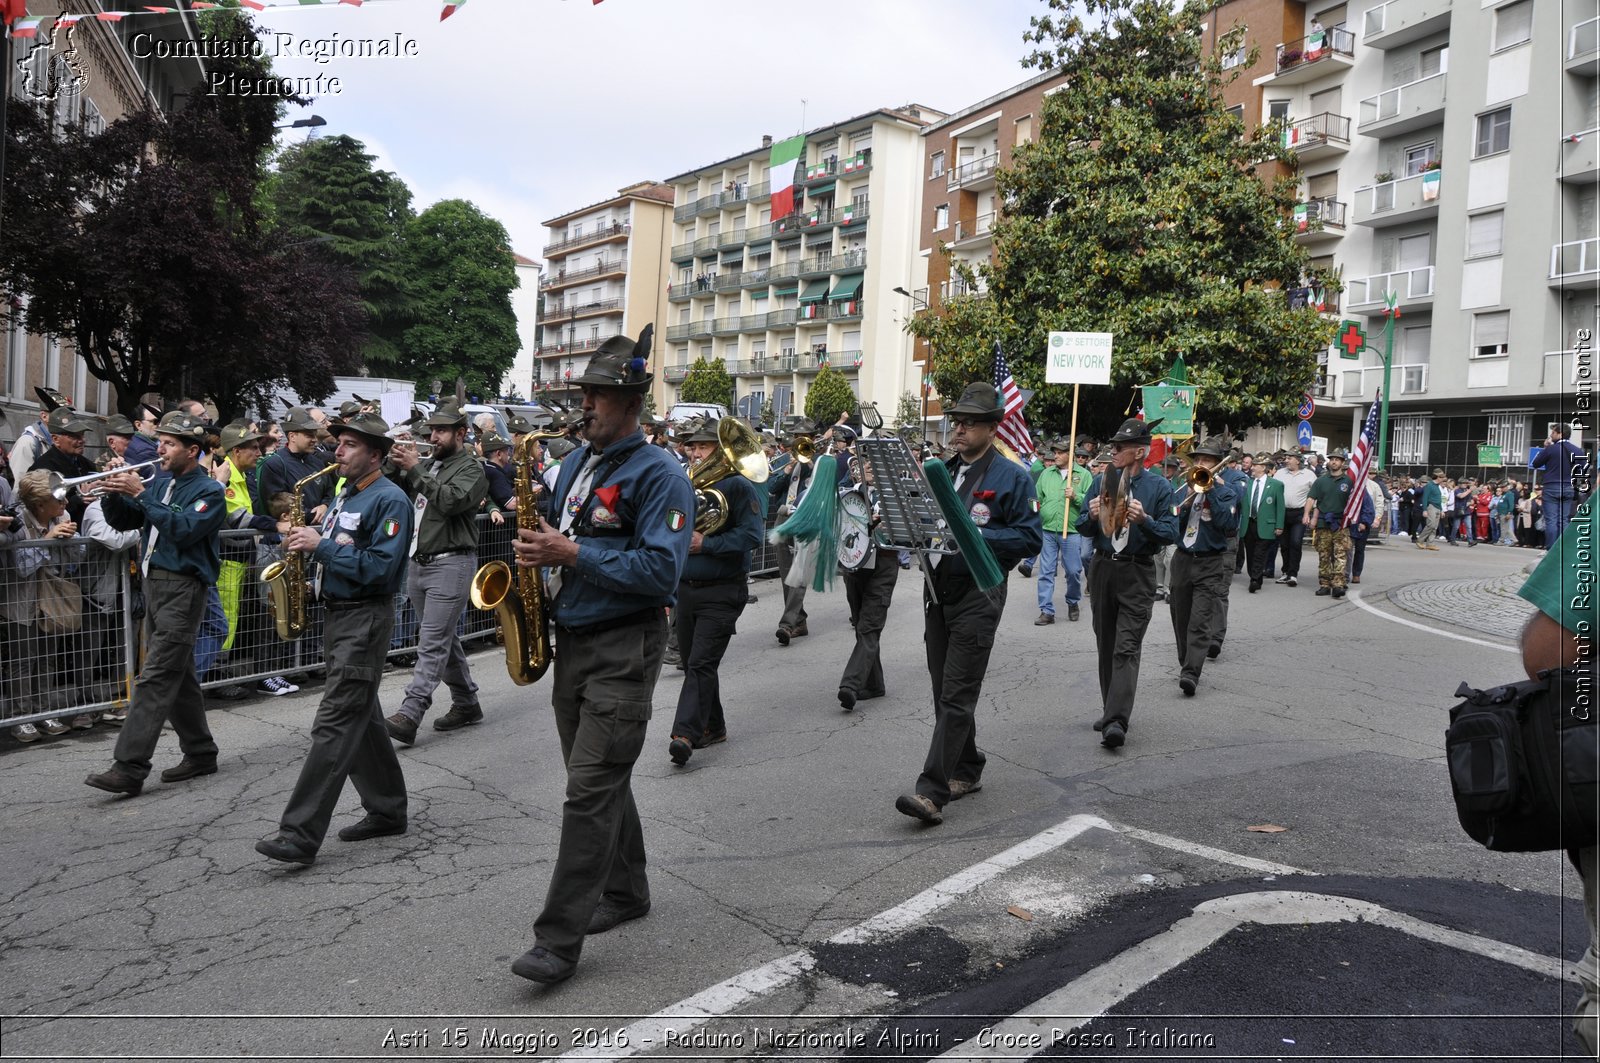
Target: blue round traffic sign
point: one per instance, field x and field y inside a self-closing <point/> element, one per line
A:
<point x="1303" y="433"/>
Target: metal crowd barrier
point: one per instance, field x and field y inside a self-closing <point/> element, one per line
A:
<point x="89" y="667"/>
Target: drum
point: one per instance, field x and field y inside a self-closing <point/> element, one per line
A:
<point x="855" y="530"/>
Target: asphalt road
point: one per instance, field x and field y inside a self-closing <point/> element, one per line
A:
<point x="795" y="911"/>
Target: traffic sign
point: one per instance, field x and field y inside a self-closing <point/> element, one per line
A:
<point x="1308" y="406"/>
<point x="1303" y="433"/>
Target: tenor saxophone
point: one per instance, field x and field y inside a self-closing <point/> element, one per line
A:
<point x="288" y="590"/>
<point x="524" y="621"/>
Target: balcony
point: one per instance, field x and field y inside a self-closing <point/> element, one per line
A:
<point x="846" y="310"/>
<point x="1583" y="48"/>
<point x="976" y="229"/>
<point x="1580" y="158"/>
<point x="1404" y="108"/>
<point x="755" y="278"/>
<point x="679" y="292"/>
<point x="956" y="288"/>
<point x="854" y="213"/>
<point x="859" y="163"/>
<point x="553" y="350"/>
<point x="1321" y="136"/>
<point x="1318" y="221"/>
<point x="784" y="270"/>
<point x="821" y="265"/>
<point x="689" y="330"/>
<point x="1397" y="202"/>
<point x="562" y="278"/>
<point x="677" y="374"/>
<point x="554" y="313"/>
<point x="725" y="326"/>
<point x="1413" y="289"/>
<point x="615" y="231"/>
<point x="1398" y="22"/>
<point x="750" y="367"/>
<point x="1324" y="300"/>
<point x="1311" y="57"/>
<point x="683" y="252"/>
<point x="792" y="225"/>
<point x="978" y="173"/>
<point x="1575" y="265"/>
<point x="732" y="238"/>
<point x="1406" y="378"/>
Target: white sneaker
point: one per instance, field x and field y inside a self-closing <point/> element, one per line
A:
<point x="55" y="726"/>
<point x="1282" y="579"/>
<point x="1293" y="582"/>
<point x="277" y="686"/>
<point x="26" y="732"/>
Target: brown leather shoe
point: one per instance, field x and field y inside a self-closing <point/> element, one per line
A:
<point x="459" y="716"/>
<point x="918" y="807"/>
<point x="116" y="781"/>
<point x="1045" y="618"/>
<point x="960" y="788"/>
<point x="188" y="769"/>
<point x="401" y="729"/>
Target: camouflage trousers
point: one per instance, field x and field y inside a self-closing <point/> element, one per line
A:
<point x="1333" y="555"/>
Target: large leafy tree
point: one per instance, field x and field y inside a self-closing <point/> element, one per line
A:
<point x="708" y="381"/>
<point x="828" y="397"/>
<point x="460" y="276"/>
<point x="1140" y="211"/>
<point x="327" y="191"/>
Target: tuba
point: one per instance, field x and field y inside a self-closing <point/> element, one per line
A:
<point x="738" y="452"/>
<point x="288" y="590"/>
<point x="523" y="619"/>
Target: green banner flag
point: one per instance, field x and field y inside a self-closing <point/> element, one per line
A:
<point x="1173" y="406"/>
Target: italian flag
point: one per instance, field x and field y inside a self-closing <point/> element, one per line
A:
<point x="785" y="155"/>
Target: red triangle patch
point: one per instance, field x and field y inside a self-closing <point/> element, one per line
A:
<point x="608" y="496"/>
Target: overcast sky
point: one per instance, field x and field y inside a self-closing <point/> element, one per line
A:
<point x="531" y="108"/>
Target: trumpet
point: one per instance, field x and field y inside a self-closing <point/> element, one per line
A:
<point x="1200" y="479"/>
<point x="402" y="437"/>
<point x="59" y="487"/>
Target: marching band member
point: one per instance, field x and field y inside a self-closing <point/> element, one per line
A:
<point x="629" y="511"/>
<point x="1202" y="568"/>
<point x="960" y="624"/>
<point x="869" y="590"/>
<point x="791" y="485"/>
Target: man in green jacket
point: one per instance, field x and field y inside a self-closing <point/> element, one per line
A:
<point x="1260" y="517"/>
<point x="1432" y="507"/>
<point x="447" y="491"/>
<point x="1060" y="489"/>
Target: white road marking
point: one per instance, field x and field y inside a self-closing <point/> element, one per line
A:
<point x="1355" y="596"/>
<point x="724" y="997"/>
<point x="1094" y="993"/>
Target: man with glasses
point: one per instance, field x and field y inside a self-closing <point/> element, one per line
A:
<point x="1138" y="522"/>
<point x="142" y="447"/>
<point x="960" y="619"/>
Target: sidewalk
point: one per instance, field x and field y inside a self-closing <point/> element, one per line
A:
<point x="1488" y="605"/>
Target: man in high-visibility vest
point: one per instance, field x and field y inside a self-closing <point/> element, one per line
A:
<point x="241" y="445"/>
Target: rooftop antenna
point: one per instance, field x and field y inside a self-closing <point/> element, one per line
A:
<point x="802" y="116"/>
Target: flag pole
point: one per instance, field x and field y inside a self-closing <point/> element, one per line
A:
<point x="1392" y="312"/>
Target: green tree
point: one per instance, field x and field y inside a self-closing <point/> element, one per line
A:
<point x="708" y="381"/>
<point x="460" y="276"/>
<point x="907" y="414"/>
<point x="1140" y="212"/>
<point x="769" y="415"/>
<point x="327" y="191"/>
<point x="828" y="397"/>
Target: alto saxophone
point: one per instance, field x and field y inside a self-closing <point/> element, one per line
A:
<point x="288" y="590"/>
<point x="524" y="621"/>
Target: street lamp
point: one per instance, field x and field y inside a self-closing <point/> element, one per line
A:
<point x="315" y="121"/>
<point x="917" y="304"/>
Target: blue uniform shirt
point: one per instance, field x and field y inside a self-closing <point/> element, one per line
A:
<point x="1557" y="461"/>
<point x="1000" y="500"/>
<point x="188" y="521"/>
<point x="366" y="537"/>
<point x="632" y="550"/>
<point x="1217" y="523"/>
<point x="726" y="555"/>
<point x="1159" y="528"/>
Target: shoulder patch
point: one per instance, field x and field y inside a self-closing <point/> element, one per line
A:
<point x="391" y="528"/>
<point x="229" y="492"/>
<point x="201" y="506"/>
<point x="1033" y="503"/>
<point x="676" y="519"/>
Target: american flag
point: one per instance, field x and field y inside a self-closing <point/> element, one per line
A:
<point x="1013" y="427"/>
<point x="1361" y="462"/>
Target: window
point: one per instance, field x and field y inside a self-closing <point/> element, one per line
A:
<point x="1485" y="234"/>
<point x="1237" y="110"/>
<point x="860" y="141"/>
<point x="1278" y="111"/>
<point x="936" y="167"/>
<point x="1513" y="25"/>
<point x="1491" y="334"/>
<point x="1435" y="61"/>
<point x="1509" y="432"/>
<point x="1409" y="441"/>
<point x="1494" y="133"/>
<point x="941" y="216"/>
<point x="1024" y="129"/>
<point x="1234" y="58"/>
<point x="1419" y="156"/>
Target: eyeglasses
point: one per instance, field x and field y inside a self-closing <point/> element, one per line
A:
<point x="962" y="422"/>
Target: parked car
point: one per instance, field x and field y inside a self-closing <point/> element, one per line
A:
<point x="686" y="411"/>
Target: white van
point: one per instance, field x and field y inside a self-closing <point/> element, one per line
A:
<point x="688" y="411"/>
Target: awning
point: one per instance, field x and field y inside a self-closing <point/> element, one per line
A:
<point x="848" y="287"/>
<point x="815" y="292"/>
<point x="786" y="291"/>
<point x="820" y="190"/>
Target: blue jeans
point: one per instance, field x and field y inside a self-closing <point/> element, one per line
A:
<point x="1558" y="505"/>
<point x="1068" y="552"/>
<point x="213" y="631"/>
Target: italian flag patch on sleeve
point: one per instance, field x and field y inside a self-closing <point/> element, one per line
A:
<point x="201" y="506"/>
<point x="1034" y="502"/>
<point x="675" y="519"/>
<point x="391" y="528"/>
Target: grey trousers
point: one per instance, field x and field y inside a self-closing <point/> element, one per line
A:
<point x="348" y="738"/>
<point x="166" y="686"/>
<point x="1199" y="605"/>
<point x="794" y="598"/>
<point x="1430" y="525"/>
<point x="604" y="682"/>
<point x="438" y="592"/>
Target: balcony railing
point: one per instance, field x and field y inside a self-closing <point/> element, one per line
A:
<point x="570" y="276"/>
<point x="1416" y="98"/>
<point x="1315" y="47"/>
<point x="1396" y="22"/>
<point x="860" y="162"/>
<point x="607" y="232"/>
<point x="1574" y="258"/>
<point x="956" y="288"/>
<point x="677" y="374"/>
<point x="1319" y="215"/>
<point x="690" y="329"/>
<point x="854" y="213"/>
<point x="784" y="271"/>
<point x="845" y="309"/>
<point x="575" y="347"/>
<point x="1580" y="156"/>
<point x="1409" y="285"/>
<point x="979" y="226"/>
<point x="1323" y="300"/>
<point x="1400" y="200"/>
<point x="1584" y="38"/>
<point x="817" y="171"/>
<point x="794" y="224"/>
<point x="568" y="310"/>
<point x="1322" y="130"/>
<point x="1407" y="378"/>
<point x="969" y="173"/>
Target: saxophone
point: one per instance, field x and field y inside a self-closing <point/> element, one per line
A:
<point x="288" y="590"/>
<point x="524" y="621"/>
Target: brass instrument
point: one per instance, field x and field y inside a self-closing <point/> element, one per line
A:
<point x="523" y="618"/>
<point x="739" y="452"/>
<point x="1114" y="501"/>
<point x="1200" y="479"/>
<point x="59" y="487"/>
<point x="288" y="590"/>
<point x="804" y="449"/>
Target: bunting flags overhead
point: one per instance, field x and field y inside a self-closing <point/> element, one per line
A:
<point x="14" y="13"/>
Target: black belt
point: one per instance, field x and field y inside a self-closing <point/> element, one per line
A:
<point x="1206" y="553"/>
<point x="641" y="616"/>
<point x="727" y="582"/>
<point x="1138" y="559"/>
<point x="339" y="605"/>
<point x="423" y="559"/>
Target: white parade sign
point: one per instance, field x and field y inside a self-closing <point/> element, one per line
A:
<point x="1078" y="358"/>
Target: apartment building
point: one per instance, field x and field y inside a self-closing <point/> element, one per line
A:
<point x="960" y="200"/>
<point x="120" y="76"/>
<point x="778" y="301"/>
<point x="525" y="301"/>
<point x="605" y="275"/>
<point x="1447" y="160"/>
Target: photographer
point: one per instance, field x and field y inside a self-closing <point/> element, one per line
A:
<point x="35" y="625"/>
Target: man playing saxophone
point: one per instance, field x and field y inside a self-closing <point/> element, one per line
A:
<point x="361" y="546"/>
<point x="1128" y="512"/>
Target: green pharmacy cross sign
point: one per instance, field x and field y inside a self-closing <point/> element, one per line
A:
<point x="1353" y="339"/>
